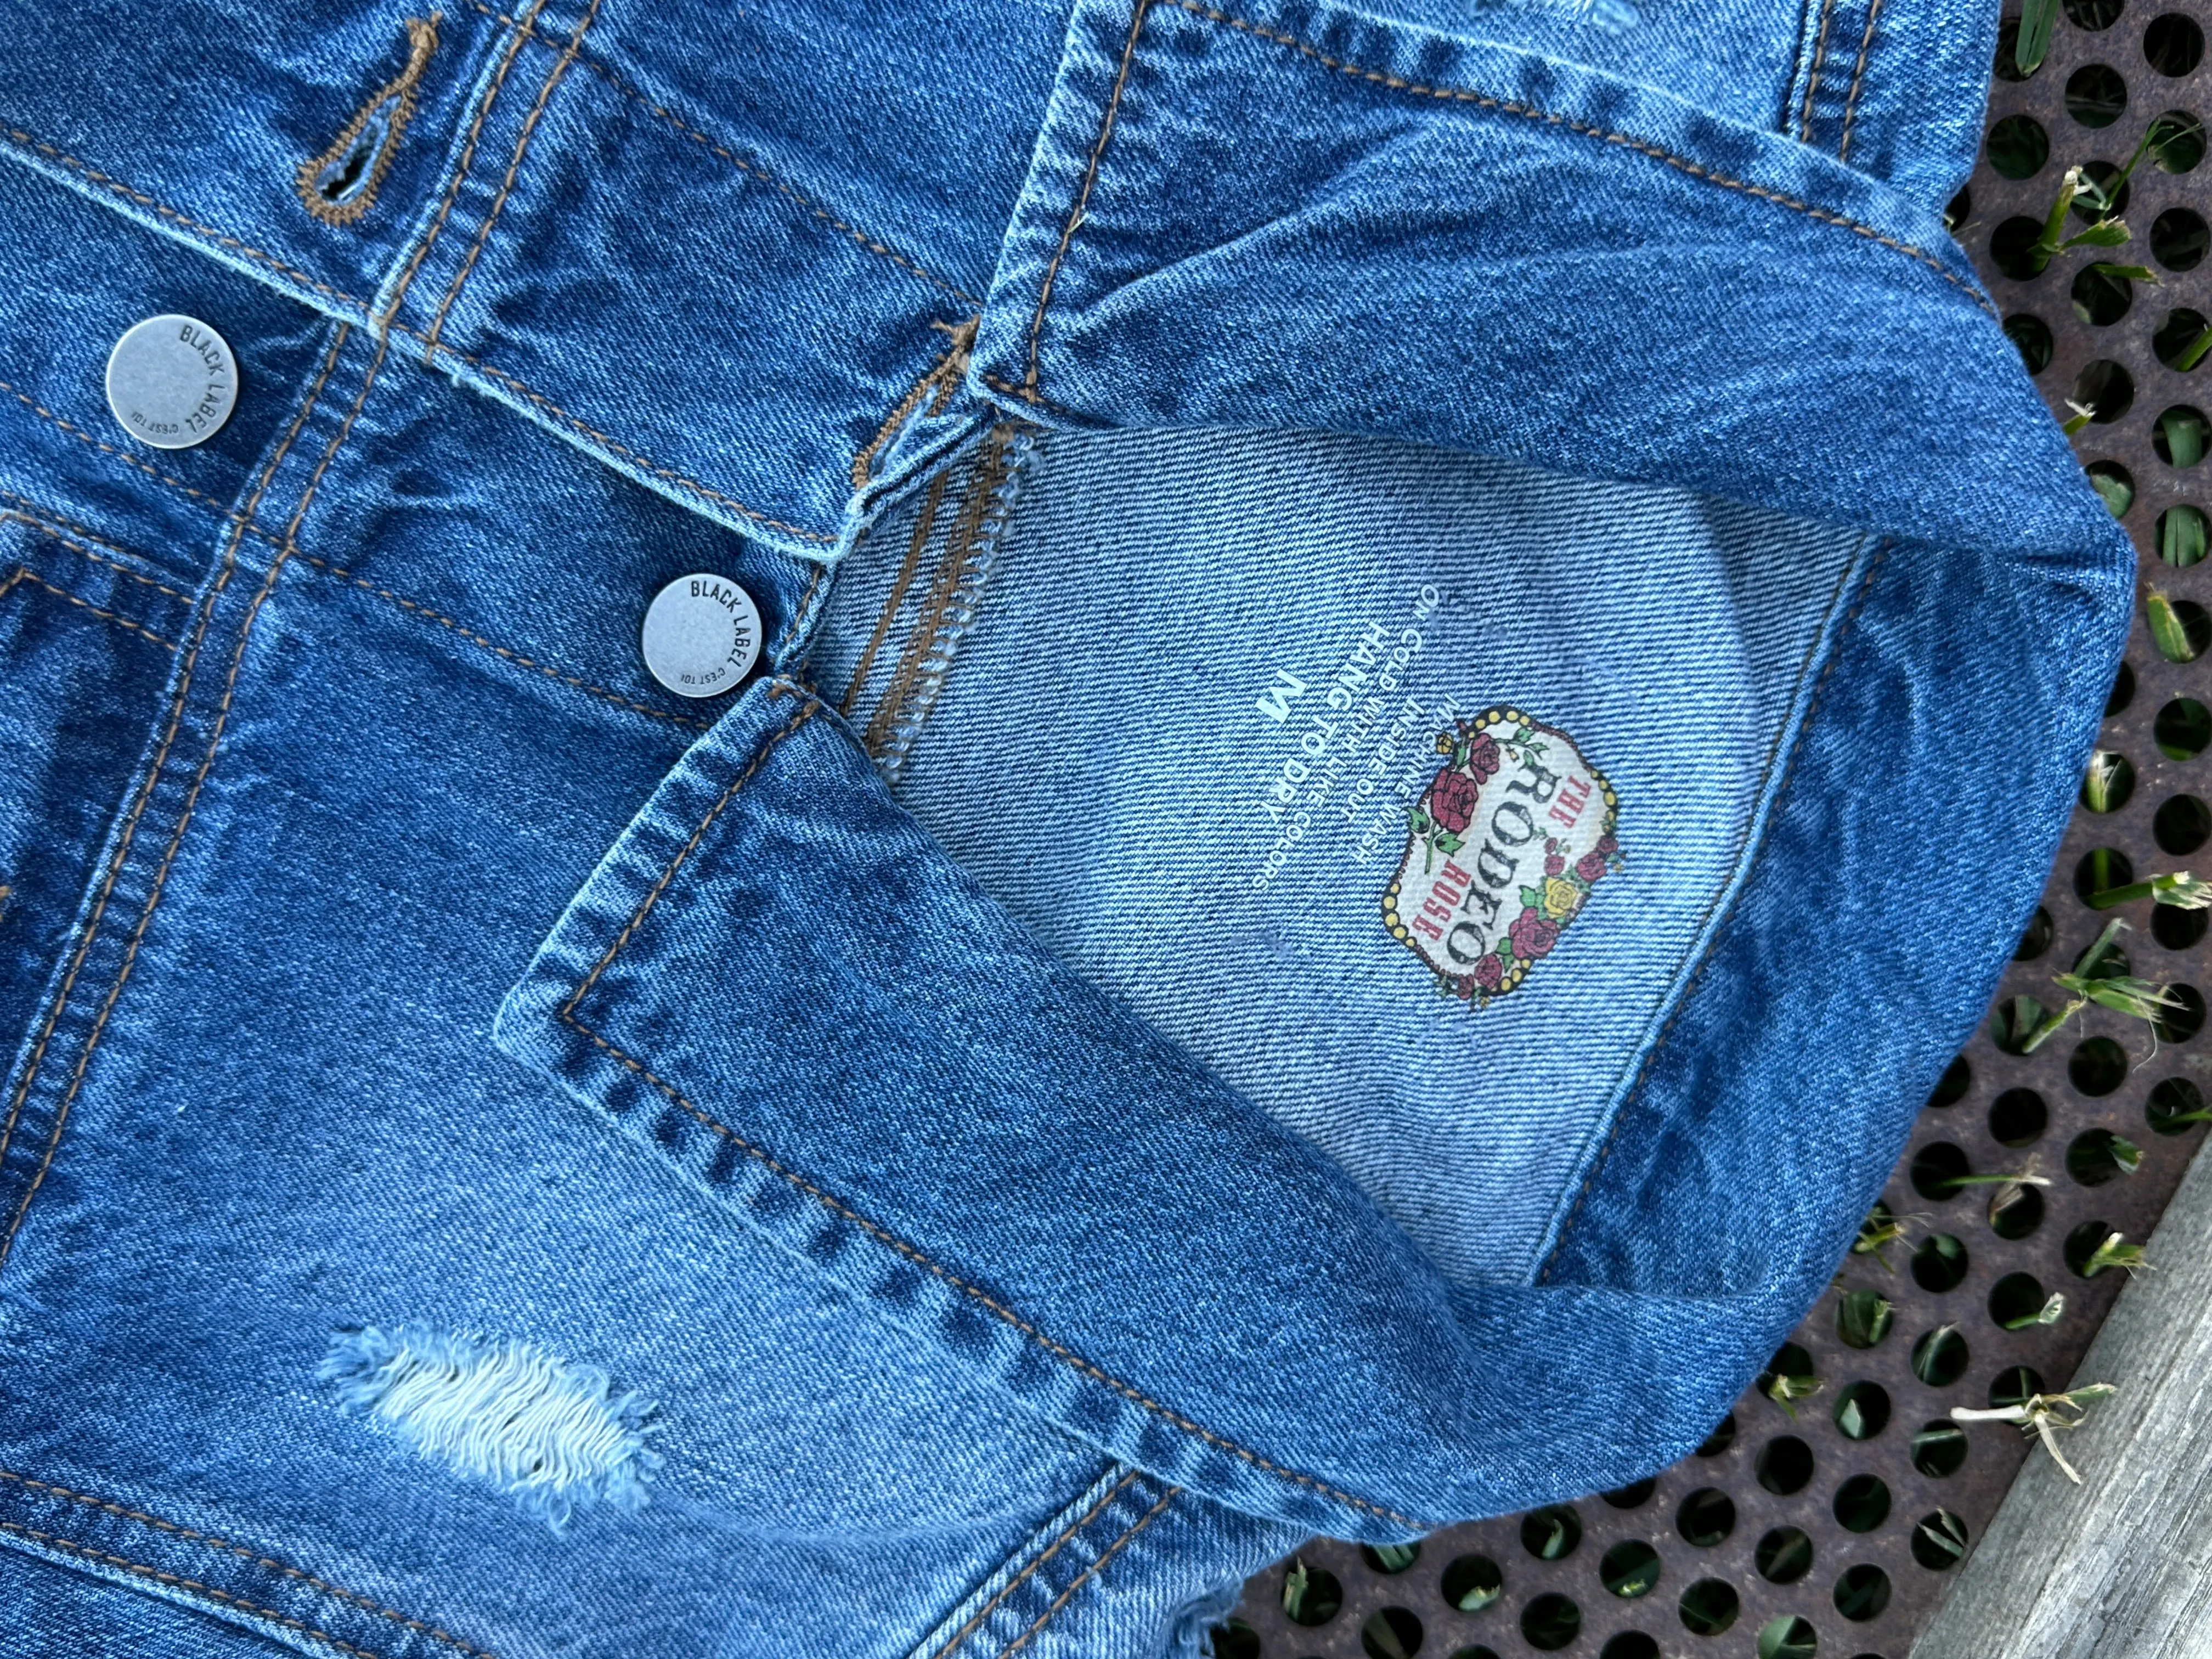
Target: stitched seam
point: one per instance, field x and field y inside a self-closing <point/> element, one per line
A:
<point x="1007" y="1316"/>
<point x="24" y="140"/>
<point x="1858" y="75"/>
<point x="412" y="607"/>
<point x="82" y="437"/>
<point x="425" y="613"/>
<point x="752" y="168"/>
<point x="1453" y="95"/>
<point x="460" y="173"/>
<point x="632" y="455"/>
<point x="1030" y="1570"/>
<point x="1812" y="81"/>
<point x="388" y="322"/>
<point x="1779" y="753"/>
<point x="1091" y="1572"/>
<point x="1028" y="394"/>
<point x="50" y="532"/>
<point x="1067" y="1356"/>
<point x="258" y="1559"/>
<point x="1606" y="135"/>
<point x="1082" y="196"/>
<point x="422" y="41"/>
<point x="798" y="611"/>
<point x="974" y="557"/>
<point x="652" y="898"/>
<point x="900" y="583"/>
<point x="513" y="171"/>
<point x="152" y="774"/>
<point x="1689" y="991"/>
<point x="110" y="615"/>
<point x="176" y="1581"/>
<point x="191" y="801"/>
<point x="942" y="376"/>
<point x="981" y="490"/>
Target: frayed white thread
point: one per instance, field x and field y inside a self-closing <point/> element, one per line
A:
<point x="552" y="1435"/>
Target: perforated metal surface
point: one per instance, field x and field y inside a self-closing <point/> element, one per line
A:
<point x="2090" y="34"/>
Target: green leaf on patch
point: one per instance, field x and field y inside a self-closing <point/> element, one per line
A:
<point x="1447" y="842"/>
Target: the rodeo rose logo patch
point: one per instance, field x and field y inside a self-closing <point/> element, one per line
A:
<point x="1503" y="850"/>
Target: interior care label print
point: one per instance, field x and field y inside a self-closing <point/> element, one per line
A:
<point x="1503" y="850"/>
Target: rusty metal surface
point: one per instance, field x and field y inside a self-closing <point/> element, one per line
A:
<point x="1644" y="1626"/>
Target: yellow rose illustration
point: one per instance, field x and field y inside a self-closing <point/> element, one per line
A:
<point x="1561" y="897"/>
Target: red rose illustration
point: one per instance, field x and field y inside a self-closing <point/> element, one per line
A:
<point x="1555" y="865"/>
<point x="1490" y="972"/>
<point x="1590" y="865"/>
<point x="1532" y="935"/>
<point x="1451" y="800"/>
<point x="1608" y="845"/>
<point x="1482" y="757"/>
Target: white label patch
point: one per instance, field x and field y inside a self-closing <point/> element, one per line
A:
<point x="1503" y="849"/>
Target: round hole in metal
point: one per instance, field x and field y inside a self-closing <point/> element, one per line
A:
<point x="1550" y="1622"/>
<point x="1939" y="1263"/>
<point x="2018" y="1117"/>
<point x="1391" y="1633"/>
<point x="1862" y="1503"/>
<point x="1709" y="1606"/>
<point x="1705" y="1518"/>
<point x="1783" y="1556"/>
<point x="1784" y="1465"/>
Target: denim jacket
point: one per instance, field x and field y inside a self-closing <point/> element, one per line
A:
<point x="1414" y="674"/>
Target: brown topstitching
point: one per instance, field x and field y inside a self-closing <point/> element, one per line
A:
<point x="1091" y="1572"/>
<point x="1813" y="79"/>
<point x="1028" y="390"/>
<point x="325" y="1586"/>
<point x="1858" y="76"/>
<point x="85" y="1552"/>
<point x="753" y="170"/>
<point x="388" y="322"/>
<point x="1605" y="134"/>
<point x="91" y="929"/>
<point x="979" y="492"/>
<point x="59" y="529"/>
<point x="1681" y="1004"/>
<point x="184" y="684"/>
<point x="943" y="377"/>
<point x="507" y="185"/>
<point x="192" y="796"/>
<point x="924" y="523"/>
<point x="567" y="1013"/>
<point x="1030" y="1570"/>
<point x="21" y="575"/>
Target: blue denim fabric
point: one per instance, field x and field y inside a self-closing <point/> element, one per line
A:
<point x="955" y="1149"/>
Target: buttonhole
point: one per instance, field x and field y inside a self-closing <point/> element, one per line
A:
<point x="340" y="185"/>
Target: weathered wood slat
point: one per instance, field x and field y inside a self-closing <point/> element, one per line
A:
<point x="2119" y="1567"/>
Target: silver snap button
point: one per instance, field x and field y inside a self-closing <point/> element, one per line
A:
<point x="172" y="381"/>
<point x="702" y="636"/>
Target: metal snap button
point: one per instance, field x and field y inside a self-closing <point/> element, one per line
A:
<point x="702" y="635"/>
<point x="172" y="381"/>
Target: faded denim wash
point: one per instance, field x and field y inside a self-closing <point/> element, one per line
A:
<point x="1418" y="671"/>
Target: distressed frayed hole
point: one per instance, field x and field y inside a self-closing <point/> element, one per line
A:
<point x="340" y="185"/>
<point x="554" y="1436"/>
